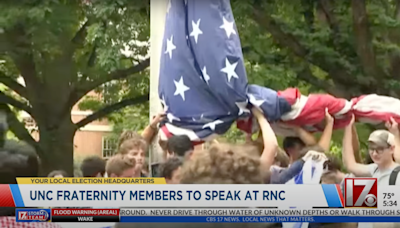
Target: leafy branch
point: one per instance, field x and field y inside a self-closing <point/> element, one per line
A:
<point x="112" y="108"/>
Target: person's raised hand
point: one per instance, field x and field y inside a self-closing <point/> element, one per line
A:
<point x="157" y="119"/>
<point x="328" y="117"/>
<point x="392" y="126"/>
<point x="314" y="155"/>
<point x="351" y="123"/>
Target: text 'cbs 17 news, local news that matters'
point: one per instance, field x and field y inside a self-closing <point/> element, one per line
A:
<point x="359" y="201"/>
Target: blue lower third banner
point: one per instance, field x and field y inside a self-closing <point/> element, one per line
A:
<point x="256" y="219"/>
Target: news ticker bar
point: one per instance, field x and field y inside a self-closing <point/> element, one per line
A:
<point x="138" y="212"/>
<point x="212" y="215"/>
<point x="223" y="219"/>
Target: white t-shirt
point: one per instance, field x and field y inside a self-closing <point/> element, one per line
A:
<point x="383" y="179"/>
<point x="382" y="175"/>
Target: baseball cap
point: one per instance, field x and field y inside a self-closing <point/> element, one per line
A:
<point x="382" y="138"/>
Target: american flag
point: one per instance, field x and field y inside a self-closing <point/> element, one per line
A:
<point x="203" y="82"/>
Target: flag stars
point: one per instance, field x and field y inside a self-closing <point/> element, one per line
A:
<point x="170" y="47"/>
<point x="229" y="69"/>
<point x="164" y="104"/>
<point x="180" y="88"/>
<point x="212" y="124"/>
<point x="228" y="27"/>
<point x="242" y="107"/>
<point x="171" y="117"/>
<point x="196" y="30"/>
<point x="205" y="75"/>
<point x="254" y="101"/>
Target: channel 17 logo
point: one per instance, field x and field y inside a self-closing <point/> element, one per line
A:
<point x="32" y="215"/>
<point x="361" y="192"/>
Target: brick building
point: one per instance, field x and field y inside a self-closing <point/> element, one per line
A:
<point x="89" y="140"/>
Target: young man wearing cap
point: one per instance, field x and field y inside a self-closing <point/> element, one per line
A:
<point x="381" y="147"/>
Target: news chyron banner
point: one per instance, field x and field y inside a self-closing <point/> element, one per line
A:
<point x="148" y="199"/>
<point x="206" y="215"/>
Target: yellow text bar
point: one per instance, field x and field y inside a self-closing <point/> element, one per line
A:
<point x="92" y="180"/>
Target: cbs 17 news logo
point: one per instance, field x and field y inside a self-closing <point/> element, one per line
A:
<point x="361" y="192"/>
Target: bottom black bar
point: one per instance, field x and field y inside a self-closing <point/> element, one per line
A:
<point x="85" y="218"/>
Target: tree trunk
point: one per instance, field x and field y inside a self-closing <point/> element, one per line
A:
<point x="57" y="147"/>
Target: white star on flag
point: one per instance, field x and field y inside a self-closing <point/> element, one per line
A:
<point x="212" y="125"/>
<point x="165" y="106"/>
<point x="229" y="69"/>
<point x="242" y="107"/>
<point x="170" y="46"/>
<point x="171" y="117"/>
<point x="205" y="75"/>
<point x="254" y="101"/>
<point x="196" y="30"/>
<point x="180" y="88"/>
<point x="228" y="27"/>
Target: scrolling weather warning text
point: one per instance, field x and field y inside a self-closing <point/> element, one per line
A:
<point x="361" y="192"/>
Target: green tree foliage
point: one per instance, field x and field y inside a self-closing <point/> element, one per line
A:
<point x="64" y="49"/>
<point x="346" y="48"/>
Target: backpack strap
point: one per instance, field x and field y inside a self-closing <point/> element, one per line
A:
<point x="393" y="175"/>
<point x="376" y="170"/>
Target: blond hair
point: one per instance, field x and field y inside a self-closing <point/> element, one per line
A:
<point x="118" y="163"/>
<point x="132" y="144"/>
<point x="126" y="135"/>
<point x="222" y="164"/>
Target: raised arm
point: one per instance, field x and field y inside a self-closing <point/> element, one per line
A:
<point x="325" y="140"/>
<point x="151" y="130"/>
<point x="356" y="144"/>
<point x="305" y="136"/>
<point x="349" y="160"/>
<point x="269" y="140"/>
<point x="393" y="127"/>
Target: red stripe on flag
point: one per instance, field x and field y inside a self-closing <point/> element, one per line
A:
<point x="167" y="133"/>
<point x="6" y="199"/>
